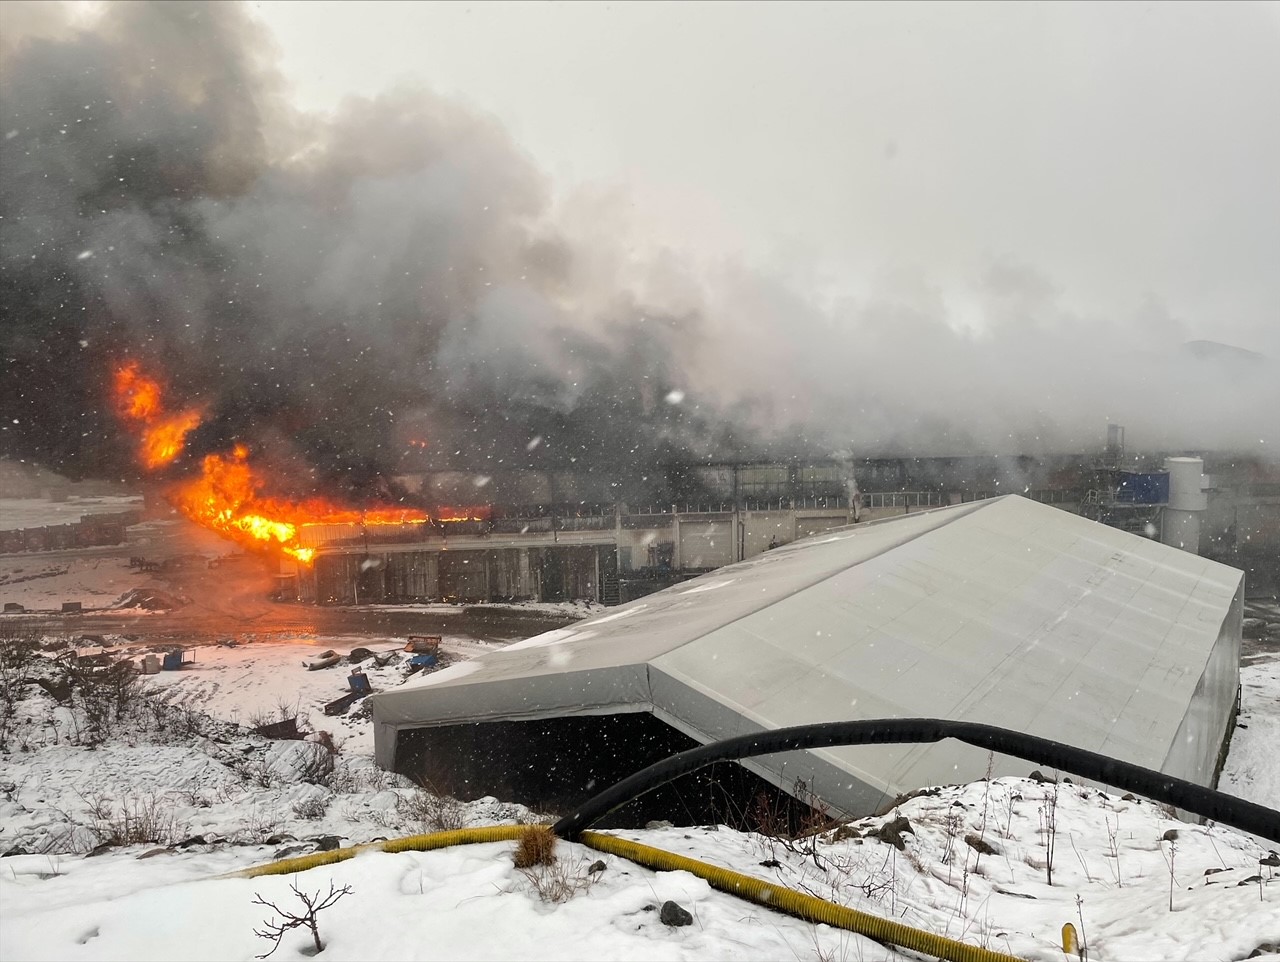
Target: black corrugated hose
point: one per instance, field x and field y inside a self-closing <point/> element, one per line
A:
<point x="1188" y="796"/>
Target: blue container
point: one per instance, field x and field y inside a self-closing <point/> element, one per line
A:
<point x="1143" y="488"/>
<point x="172" y="661"/>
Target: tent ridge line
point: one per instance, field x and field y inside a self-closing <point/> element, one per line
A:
<point x="883" y="551"/>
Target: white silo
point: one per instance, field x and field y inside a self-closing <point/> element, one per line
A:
<point x="1187" y="503"/>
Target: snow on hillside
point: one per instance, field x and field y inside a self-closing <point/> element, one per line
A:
<point x="1137" y="883"/>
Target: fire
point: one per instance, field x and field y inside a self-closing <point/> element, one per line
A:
<point x="229" y="497"/>
<point x="226" y="498"/>
<point x="162" y="435"/>
<point x="138" y="397"/>
<point x="163" y="442"/>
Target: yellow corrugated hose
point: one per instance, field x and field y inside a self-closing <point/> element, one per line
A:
<point x="411" y="843"/>
<point x="764" y="893"/>
<point x="795" y="903"/>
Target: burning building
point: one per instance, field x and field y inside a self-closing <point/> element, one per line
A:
<point x="304" y="293"/>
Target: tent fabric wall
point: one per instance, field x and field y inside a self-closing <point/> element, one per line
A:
<point x="1197" y="746"/>
<point x="1005" y="612"/>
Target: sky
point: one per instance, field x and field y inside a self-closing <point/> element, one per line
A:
<point x="1121" y="156"/>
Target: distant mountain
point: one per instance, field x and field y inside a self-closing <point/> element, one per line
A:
<point x="1216" y="351"/>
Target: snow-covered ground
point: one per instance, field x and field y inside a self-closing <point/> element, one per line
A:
<point x="43" y="583"/>
<point x="1253" y="766"/>
<point x="38" y="512"/>
<point x="1136" y="883"/>
<point x="96" y="577"/>
<point x="238" y="683"/>
<point x="117" y="836"/>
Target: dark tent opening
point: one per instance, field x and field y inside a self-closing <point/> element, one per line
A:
<point x="554" y="764"/>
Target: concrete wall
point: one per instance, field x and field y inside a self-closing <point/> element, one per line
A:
<point x="560" y="558"/>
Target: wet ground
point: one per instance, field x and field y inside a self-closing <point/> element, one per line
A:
<point x="1261" y="634"/>
<point x="194" y="626"/>
<point x="232" y="600"/>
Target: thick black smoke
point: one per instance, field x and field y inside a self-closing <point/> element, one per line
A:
<point x="330" y="288"/>
<point x="312" y="281"/>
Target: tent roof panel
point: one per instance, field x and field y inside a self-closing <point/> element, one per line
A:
<point x="1005" y="611"/>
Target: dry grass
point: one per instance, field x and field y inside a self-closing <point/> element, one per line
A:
<point x="148" y="820"/>
<point x="431" y="811"/>
<point x="558" y="883"/>
<point x="536" y="847"/>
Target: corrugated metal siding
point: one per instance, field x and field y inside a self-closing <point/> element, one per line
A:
<point x="706" y="544"/>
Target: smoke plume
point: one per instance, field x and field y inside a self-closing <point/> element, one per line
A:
<point x="333" y="287"/>
<point x="322" y="286"/>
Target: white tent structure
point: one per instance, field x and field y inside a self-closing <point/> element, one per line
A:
<point x="1005" y="612"/>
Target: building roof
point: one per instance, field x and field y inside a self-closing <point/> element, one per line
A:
<point x="1006" y="612"/>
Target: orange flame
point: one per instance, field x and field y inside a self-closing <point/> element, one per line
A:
<point x="137" y="396"/>
<point x="228" y="497"/>
<point x="162" y="435"/>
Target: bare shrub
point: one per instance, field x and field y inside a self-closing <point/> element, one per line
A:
<point x="556" y="882"/>
<point x="311" y="808"/>
<point x="536" y="846"/>
<point x="260" y="824"/>
<point x="344" y="780"/>
<point x="148" y="820"/>
<point x="104" y="697"/>
<point x="1049" y="826"/>
<point x="286" y="709"/>
<point x="178" y="721"/>
<point x="257" y="771"/>
<point x="312" y="905"/>
<point x="18" y="649"/>
<point x="430" y="811"/>
<point x="59" y="840"/>
<point x="315" y="764"/>
<point x="1084" y="940"/>
<point x="796" y="829"/>
<point x="185" y="721"/>
<point x="1113" y="848"/>
<point x="97" y="804"/>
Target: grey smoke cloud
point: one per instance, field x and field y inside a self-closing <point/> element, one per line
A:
<point x="907" y="377"/>
<point x="312" y="281"/>
<point x="331" y="283"/>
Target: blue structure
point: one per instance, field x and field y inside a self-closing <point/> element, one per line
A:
<point x="1143" y="488"/>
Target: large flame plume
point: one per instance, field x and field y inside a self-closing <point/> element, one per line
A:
<point x="161" y="435"/>
<point x="229" y="496"/>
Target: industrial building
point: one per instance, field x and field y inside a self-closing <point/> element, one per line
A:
<point x="543" y="538"/>
<point x="1004" y="611"/>
<point x="556" y="550"/>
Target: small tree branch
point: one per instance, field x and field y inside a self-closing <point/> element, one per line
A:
<point x="293" y="920"/>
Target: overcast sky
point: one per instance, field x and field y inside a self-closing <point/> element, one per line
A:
<point x="1122" y="159"/>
